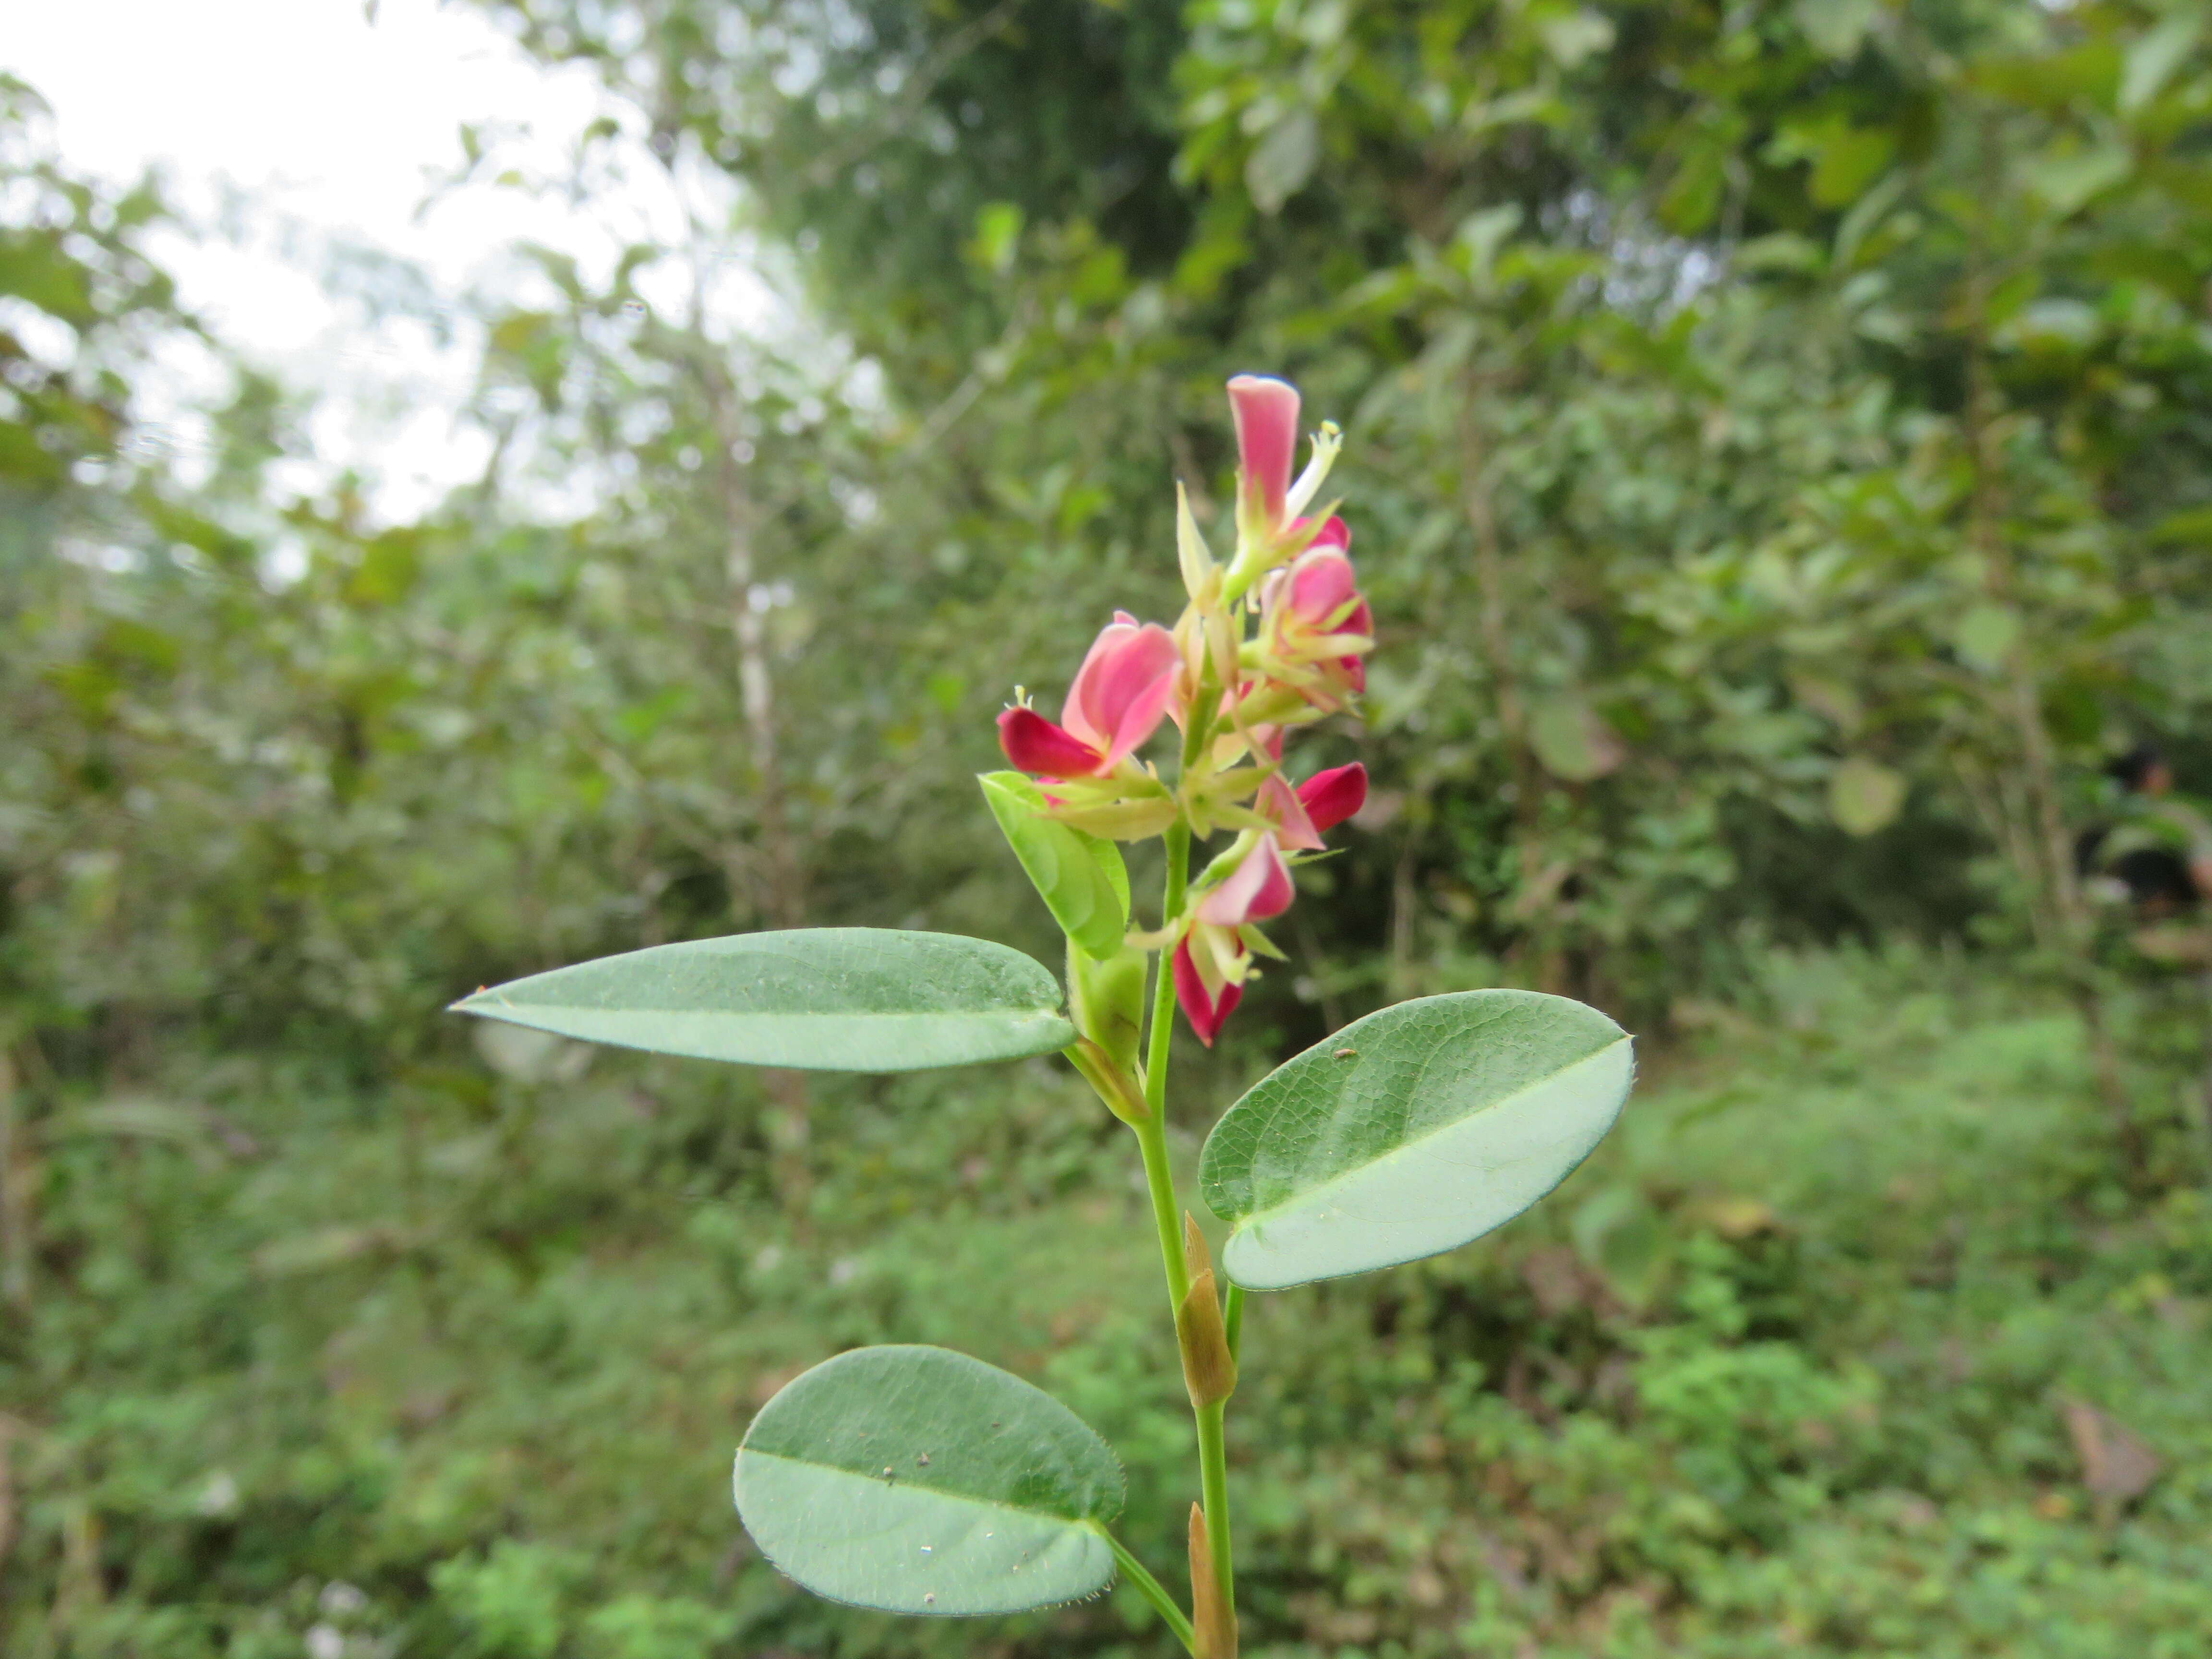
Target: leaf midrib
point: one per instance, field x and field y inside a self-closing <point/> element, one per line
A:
<point x="946" y="1494"/>
<point x="778" y="1013"/>
<point x="1306" y="1195"/>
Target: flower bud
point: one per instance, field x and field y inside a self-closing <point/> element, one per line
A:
<point x="1209" y="1373"/>
<point x="1108" y="1000"/>
<point x="1212" y="1619"/>
<point x="1315" y="627"/>
<point x="1202" y="576"/>
<point x="1265" y="411"/>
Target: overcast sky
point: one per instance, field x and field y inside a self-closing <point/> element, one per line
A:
<point x="336" y="128"/>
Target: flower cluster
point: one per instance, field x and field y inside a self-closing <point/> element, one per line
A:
<point x="1271" y="640"/>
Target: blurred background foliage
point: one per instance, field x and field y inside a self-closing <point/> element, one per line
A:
<point x="1778" y="447"/>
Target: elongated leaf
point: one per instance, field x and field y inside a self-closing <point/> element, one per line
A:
<point x="916" y="1479"/>
<point x="827" y="999"/>
<point x="1081" y="879"/>
<point x="1411" y="1132"/>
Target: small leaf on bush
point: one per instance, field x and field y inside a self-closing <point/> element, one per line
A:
<point x="916" y="1479"/>
<point x="825" y="998"/>
<point x="1864" y="796"/>
<point x="1571" y="741"/>
<point x="1082" y="878"/>
<point x="1281" y="162"/>
<point x="1411" y="1132"/>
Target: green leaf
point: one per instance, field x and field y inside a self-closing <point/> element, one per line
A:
<point x="1081" y="877"/>
<point x="1576" y="35"/>
<point x="825" y="998"/>
<point x="916" y="1479"/>
<point x="1411" y="1132"/>
<point x="1571" y="741"/>
<point x="1108" y="1000"/>
<point x="1864" y="796"/>
<point x="2068" y="179"/>
<point x="1281" y="162"/>
<point x="1852" y="159"/>
<point x="2152" y="60"/>
<point x="1985" y="635"/>
<point x="998" y="237"/>
<point x="1835" y="28"/>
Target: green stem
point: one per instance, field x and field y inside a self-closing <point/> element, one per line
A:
<point x="1149" y="1587"/>
<point x="1213" y="1486"/>
<point x="1159" y="1173"/>
<point x="1233" y="1317"/>
<point x="1153" y="1133"/>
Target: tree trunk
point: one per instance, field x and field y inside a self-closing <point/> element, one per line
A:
<point x="16" y="1173"/>
<point x="779" y="877"/>
<point x="2046" y="850"/>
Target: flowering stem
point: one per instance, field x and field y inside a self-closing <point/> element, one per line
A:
<point x="1159" y="1174"/>
<point x="1153" y="1133"/>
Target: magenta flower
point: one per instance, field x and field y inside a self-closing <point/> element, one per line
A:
<point x="1270" y="642"/>
<point x="1267" y="415"/>
<point x="1211" y="959"/>
<point x="1319" y="804"/>
<point x="1120" y="695"/>
<point x="1034" y="745"/>
<point x="1315" y="626"/>
<point x="1331" y="797"/>
<point x="1205" y="1007"/>
<point x="1258" y="890"/>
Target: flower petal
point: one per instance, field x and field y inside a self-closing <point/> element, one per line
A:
<point x="1335" y="533"/>
<point x="1121" y="692"/>
<point x="1285" y="808"/>
<point x="1331" y="797"/>
<point x="1267" y="415"/>
<point x="1321" y="584"/>
<point x="1206" y="1012"/>
<point x="1034" y="745"/>
<point x="1256" y="890"/>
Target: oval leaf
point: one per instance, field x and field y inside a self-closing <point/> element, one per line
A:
<point x="1411" y="1132"/>
<point x="1572" y="742"/>
<point x="1864" y="796"/>
<point x="825" y="998"/>
<point x="916" y="1479"/>
<point x="1082" y="880"/>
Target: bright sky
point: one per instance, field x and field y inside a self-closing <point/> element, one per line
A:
<point x="337" y="128"/>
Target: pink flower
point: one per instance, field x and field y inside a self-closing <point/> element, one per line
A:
<point x="1258" y="890"/>
<point x="1321" y="803"/>
<point x="1281" y="806"/>
<point x="1211" y="959"/>
<point x="1119" y="696"/>
<point x="1122" y="691"/>
<point x="1331" y="797"/>
<point x="1034" y="745"/>
<point x="1315" y="626"/>
<point x="1206" y="1008"/>
<point x="1267" y="414"/>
